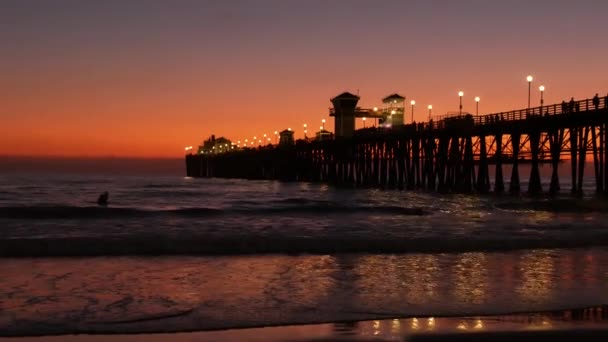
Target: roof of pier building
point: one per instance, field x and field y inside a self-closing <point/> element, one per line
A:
<point x="393" y="98"/>
<point x="345" y="96"/>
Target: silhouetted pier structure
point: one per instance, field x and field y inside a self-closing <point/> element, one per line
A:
<point x="451" y="154"/>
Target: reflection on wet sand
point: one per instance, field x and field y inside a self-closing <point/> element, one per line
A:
<point x="292" y="283"/>
<point x="588" y="319"/>
<point x="537" y="275"/>
<point x="405" y="279"/>
<point x="194" y="293"/>
<point x="396" y="329"/>
<point x="470" y="278"/>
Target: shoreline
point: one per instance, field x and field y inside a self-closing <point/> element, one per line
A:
<point x="588" y="320"/>
<point x="185" y="294"/>
<point x="556" y="318"/>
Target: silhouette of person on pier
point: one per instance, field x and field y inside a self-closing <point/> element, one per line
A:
<point x="571" y="105"/>
<point x="596" y="101"/>
<point x="103" y="199"/>
<point x="564" y="107"/>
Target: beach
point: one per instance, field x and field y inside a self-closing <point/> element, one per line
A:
<point x="580" y="323"/>
<point x="172" y="254"/>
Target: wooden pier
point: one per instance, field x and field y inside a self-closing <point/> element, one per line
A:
<point x="451" y="154"/>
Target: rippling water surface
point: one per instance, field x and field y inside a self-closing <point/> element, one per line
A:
<point x="173" y="253"/>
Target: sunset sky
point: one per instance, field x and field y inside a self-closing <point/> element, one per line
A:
<point x="146" y="78"/>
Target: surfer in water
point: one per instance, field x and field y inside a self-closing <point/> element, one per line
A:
<point x="103" y="199"/>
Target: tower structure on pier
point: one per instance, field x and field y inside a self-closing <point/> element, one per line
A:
<point x="286" y="137"/>
<point x="344" y="111"/>
<point x="393" y="107"/>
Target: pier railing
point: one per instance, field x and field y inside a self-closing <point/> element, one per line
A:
<point x="523" y="114"/>
<point x="365" y="112"/>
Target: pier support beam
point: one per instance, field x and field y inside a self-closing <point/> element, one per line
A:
<point x="604" y="162"/>
<point x="534" y="185"/>
<point x="596" y="166"/>
<point x="499" y="183"/>
<point x="573" y="157"/>
<point x="483" y="178"/>
<point x="556" y="140"/>
<point x="442" y="164"/>
<point x="401" y="163"/>
<point x="430" y="157"/>
<point x="582" y="154"/>
<point x="455" y="180"/>
<point x="468" y="168"/>
<point x="514" y="187"/>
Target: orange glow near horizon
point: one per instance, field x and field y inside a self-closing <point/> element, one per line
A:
<point x="89" y="89"/>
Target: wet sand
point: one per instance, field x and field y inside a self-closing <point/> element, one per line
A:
<point x="127" y="295"/>
<point x="579" y="323"/>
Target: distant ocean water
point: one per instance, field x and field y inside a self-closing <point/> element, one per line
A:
<point x="215" y="253"/>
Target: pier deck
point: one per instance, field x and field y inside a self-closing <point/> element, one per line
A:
<point x="451" y="154"/>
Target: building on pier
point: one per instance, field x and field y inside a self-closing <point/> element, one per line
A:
<point x="323" y="135"/>
<point x="286" y="138"/>
<point x="393" y="110"/>
<point x="215" y="145"/>
<point x="345" y="112"/>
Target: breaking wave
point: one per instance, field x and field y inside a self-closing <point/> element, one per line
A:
<point x="96" y="212"/>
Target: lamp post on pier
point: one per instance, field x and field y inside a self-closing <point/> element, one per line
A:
<point x="323" y="124"/>
<point x="529" y="79"/>
<point x="413" y="103"/>
<point x="542" y="92"/>
<point x="375" y="122"/>
<point x="430" y="109"/>
<point x="276" y="137"/>
<point x="477" y="99"/>
<point x="364" y="122"/>
<point x="460" y="95"/>
<point x="305" y="131"/>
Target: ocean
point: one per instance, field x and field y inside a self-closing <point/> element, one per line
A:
<point x="171" y="253"/>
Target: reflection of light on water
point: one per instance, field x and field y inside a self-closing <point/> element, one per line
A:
<point x="470" y="275"/>
<point x="431" y="323"/>
<point x="376" y="328"/>
<point x="566" y="269"/>
<point x="590" y="272"/>
<point x="299" y="270"/>
<point x="462" y="325"/>
<point x="536" y="321"/>
<point x="395" y="326"/>
<point x="377" y="280"/>
<point x="304" y="186"/>
<point x="420" y="278"/>
<point x="536" y="269"/>
<point x="386" y="281"/>
<point x="478" y="324"/>
<point x="415" y="323"/>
